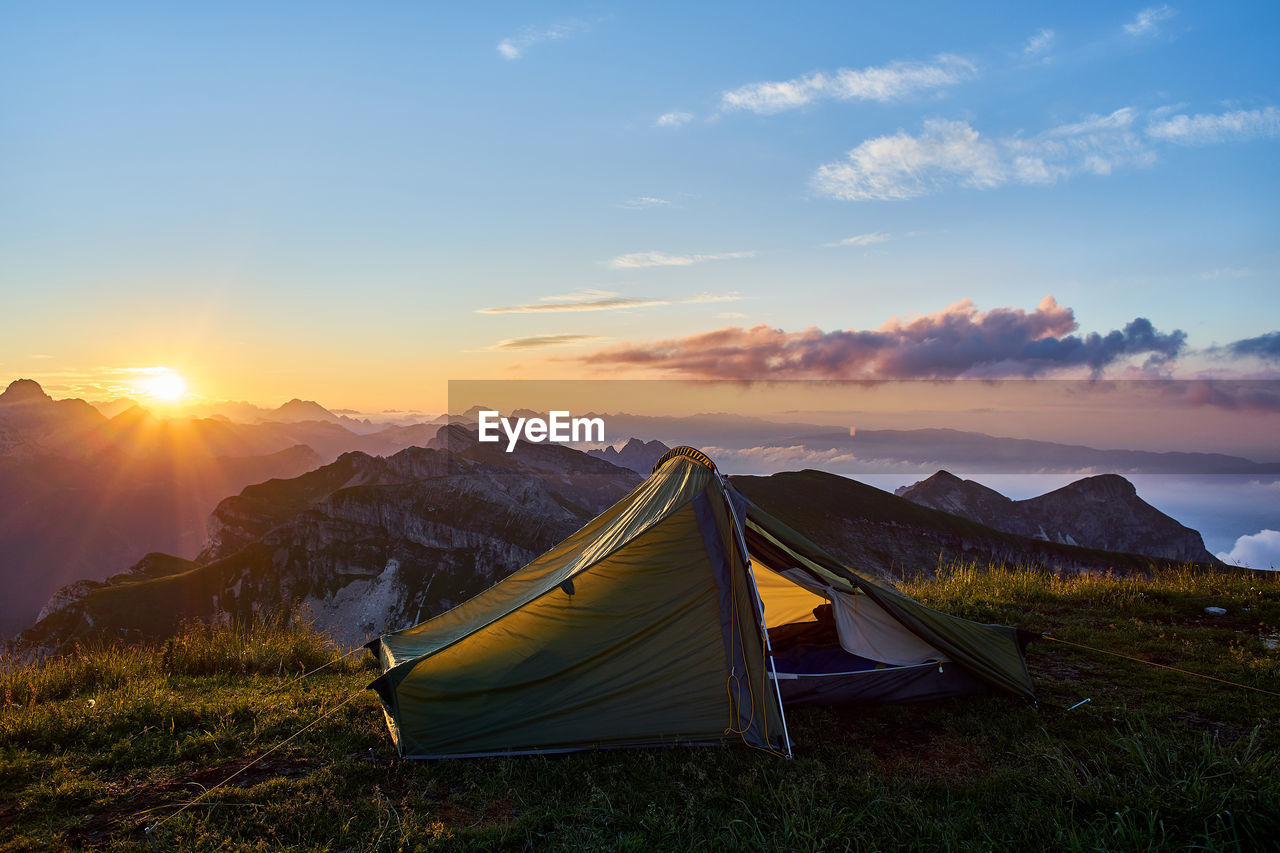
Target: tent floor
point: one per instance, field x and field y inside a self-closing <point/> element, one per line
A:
<point x="812" y="669"/>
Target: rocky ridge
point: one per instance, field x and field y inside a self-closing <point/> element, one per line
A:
<point x="1102" y="512"/>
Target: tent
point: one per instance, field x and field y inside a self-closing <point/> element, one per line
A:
<point x="683" y="614"/>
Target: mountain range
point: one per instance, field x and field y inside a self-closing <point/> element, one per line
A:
<point x="366" y="544"/>
<point x="84" y="494"/>
<point x="361" y="545"/>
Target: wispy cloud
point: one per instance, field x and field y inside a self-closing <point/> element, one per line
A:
<point x="1039" y="46"/>
<point x="1147" y="22"/>
<point x="1226" y="273"/>
<point x="638" y="260"/>
<point x="673" y="119"/>
<point x="1236" y="126"/>
<point x="514" y="47"/>
<point x="883" y="83"/>
<point x="958" y="341"/>
<point x="542" y="342"/>
<point x="603" y="300"/>
<point x="954" y="154"/>
<point x="643" y="202"/>
<point x="860" y="240"/>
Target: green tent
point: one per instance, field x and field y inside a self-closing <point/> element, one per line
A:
<point x="683" y="614"/>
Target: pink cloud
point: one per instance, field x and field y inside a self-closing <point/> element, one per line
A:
<point x="957" y="341"/>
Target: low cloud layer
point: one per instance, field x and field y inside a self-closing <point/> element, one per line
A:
<point x="960" y="341"/>
<point x="1257" y="395"/>
<point x="883" y="83"/>
<point x="1259" y="550"/>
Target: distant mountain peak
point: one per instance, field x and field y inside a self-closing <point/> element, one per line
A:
<point x="636" y="454"/>
<point x="132" y="414"/>
<point x="302" y="410"/>
<point x="24" y="391"/>
<point x="1104" y="485"/>
<point x="1102" y="511"/>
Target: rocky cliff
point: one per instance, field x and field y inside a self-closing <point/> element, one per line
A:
<point x="360" y="546"/>
<point x="1096" y="512"/>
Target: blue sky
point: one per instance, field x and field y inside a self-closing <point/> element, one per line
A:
<point x="330" y="200"/>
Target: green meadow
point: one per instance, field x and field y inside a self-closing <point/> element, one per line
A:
<point x="127" y="747"/>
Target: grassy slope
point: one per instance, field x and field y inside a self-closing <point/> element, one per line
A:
<point x="97" y="746"/>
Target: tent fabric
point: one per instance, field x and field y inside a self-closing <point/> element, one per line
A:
<point x="994" y="653"/>
<point x="659" y="641"/>
<point x="647" y="627"/>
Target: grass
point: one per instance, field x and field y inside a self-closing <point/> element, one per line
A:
<point x="98" y="745"/>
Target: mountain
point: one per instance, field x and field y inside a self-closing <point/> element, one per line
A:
<point x="890" y="536"/>
<point x="1097" y="512"/>
<point x="32" y="422"/>
<point x="301" y="410"/>
<point x="81" y="495"/>
<point x="638" y="455"/>
<point x="362" y="545"/>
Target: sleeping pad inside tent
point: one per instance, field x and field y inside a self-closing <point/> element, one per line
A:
<point x="684" y="614"/>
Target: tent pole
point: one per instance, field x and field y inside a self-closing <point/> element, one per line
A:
<point x="755" y="591"/>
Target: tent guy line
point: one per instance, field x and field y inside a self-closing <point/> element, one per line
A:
<point x="162" y="821"/>
<point x="1161" y="666"/>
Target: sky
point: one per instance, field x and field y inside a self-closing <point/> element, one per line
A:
<point x="355" y="203"/>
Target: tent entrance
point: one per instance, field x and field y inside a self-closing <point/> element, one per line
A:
<point x="799" y="607"/>
<point x="833" y="646"/>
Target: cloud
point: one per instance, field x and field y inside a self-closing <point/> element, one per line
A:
<point x="643" y="202"/>
<point x="1237" y="126"/>
<point x="1246" y="395"/>
<point x="959" y="341"/>
<point x="730" y="315"/>
<point x="602" y="300"/>
<point x="860" y="240"/>
<point x="1147" y="22"/>
<point x="673" y="119"/>
<point x="884" y="83"/>
<point x="542" y="341"/>
<point x="953" y="154"/>
<point x="1039" y="45"/>
<point x="1227" y="272"/>
<point x="1265" y="347"/>
<point x="514" y="47"/>
<point x="1259" y="550"/>
<point x="638" y="260"/>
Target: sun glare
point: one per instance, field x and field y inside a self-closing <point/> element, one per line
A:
<point x="166" y="387"/>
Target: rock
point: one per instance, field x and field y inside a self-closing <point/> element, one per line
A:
<point x="1096" y="512"/>
<point x="1215" y="611"/>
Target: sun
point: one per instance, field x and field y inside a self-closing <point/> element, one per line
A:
<point x="165" y="386"/>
